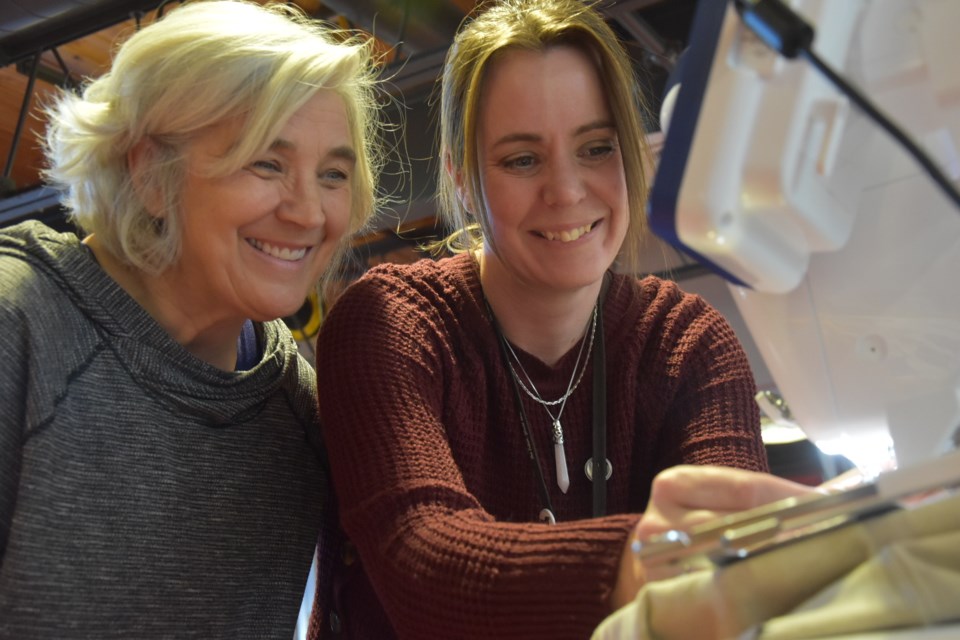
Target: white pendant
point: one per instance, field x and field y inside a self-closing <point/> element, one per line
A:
<point x="563" y="478"/>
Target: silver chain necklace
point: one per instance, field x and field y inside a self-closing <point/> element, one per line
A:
<point x="560" y="458"/>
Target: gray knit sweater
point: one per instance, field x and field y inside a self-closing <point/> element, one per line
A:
<point x="143" y="493"/>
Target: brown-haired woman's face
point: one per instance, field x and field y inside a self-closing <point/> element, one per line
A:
<point x="551" y="170"/>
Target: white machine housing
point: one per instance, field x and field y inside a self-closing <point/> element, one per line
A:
<point x="842" y="255"/>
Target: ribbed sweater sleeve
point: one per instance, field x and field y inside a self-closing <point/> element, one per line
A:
<point x="705" y="391"/>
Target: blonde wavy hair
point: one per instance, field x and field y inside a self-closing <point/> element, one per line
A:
<point x="201" y="64"/>
<point x="533" y="25"/>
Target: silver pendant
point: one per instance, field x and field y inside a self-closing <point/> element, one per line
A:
<point x="560" y="458"/>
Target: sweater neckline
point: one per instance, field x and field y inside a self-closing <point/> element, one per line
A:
<point x="149" y="354"/>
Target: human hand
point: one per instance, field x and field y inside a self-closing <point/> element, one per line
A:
<point x="687" y="495"/>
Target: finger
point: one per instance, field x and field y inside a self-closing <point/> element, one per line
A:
<point x="691" y="487"/>
<point x="653" y="524"/>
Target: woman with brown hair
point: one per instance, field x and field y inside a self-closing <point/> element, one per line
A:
<point x="496" y="419"/>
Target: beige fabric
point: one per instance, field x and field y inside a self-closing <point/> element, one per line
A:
<point x="897" y="570"/>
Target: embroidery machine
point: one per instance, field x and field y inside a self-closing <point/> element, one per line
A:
<point x="841" y="248"/>
<point x="842" y="254"/>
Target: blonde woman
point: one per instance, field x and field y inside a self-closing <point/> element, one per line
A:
<point x="160" y="470"/>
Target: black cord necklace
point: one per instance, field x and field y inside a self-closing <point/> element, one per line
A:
<point x="547" y="513"/>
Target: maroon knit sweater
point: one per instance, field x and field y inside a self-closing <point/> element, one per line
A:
<point x="436" y="489"/>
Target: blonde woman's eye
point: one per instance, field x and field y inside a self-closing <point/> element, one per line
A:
<point x="267" y="165"/>
<point x="335" y="176"/>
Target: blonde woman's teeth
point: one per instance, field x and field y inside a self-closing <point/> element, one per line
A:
<point x="281" y="253"/>
<point x="567" y="236"/>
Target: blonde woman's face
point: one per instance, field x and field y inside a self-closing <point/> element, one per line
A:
<point x="256" y="241"/>
<point x="551" y="171"/>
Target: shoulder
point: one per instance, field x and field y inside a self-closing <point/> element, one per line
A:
<point x="47" y="336"/>
<point x="652" y="300"/>
<point x="425" y="274"/>
<point x="32" y="246"/>
<point x="34" y="239"/>
<point x="659" y="295"/>
<point x="429" y="309"/>
<point x="32" y="258"/>
<point x="281" y="347"/>
<point x="423" y="287"/>
<point x="652" y="313"/>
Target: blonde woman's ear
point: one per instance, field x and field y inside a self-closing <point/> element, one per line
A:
<point x="139" y="162"/>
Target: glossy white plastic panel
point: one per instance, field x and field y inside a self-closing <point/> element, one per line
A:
<point x="845" y="255"/>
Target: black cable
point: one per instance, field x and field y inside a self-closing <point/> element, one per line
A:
<point x="885" y="123"/>
<point x="787" y="33"/>
<point x="599" y="457"/>
<point x="773" y="22"/>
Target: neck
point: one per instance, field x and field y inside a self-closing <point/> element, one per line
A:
<point x="213" y="340"/>
<point x="544" y="323"/>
